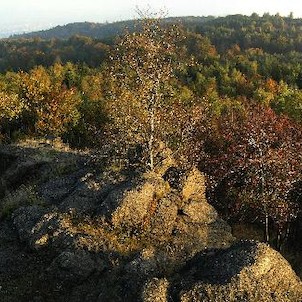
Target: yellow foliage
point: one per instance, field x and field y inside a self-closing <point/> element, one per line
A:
<point x="51" y="105"/>
<point x="10" y="106"/>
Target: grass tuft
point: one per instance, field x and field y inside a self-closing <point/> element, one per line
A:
<point x="24" y="196"/>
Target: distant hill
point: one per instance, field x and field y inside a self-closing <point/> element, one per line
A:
<point x="88" y="29"/>
<point x="100" y="31"/>
<point x="263" y="39"/>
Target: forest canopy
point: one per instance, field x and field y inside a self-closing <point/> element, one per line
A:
<point x="223" y="94"/>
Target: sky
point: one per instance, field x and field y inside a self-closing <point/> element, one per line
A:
<point x="28" y="15"/>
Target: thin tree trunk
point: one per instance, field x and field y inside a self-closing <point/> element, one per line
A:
<point x="154" y="101"/>
<point x="266" y="228"/>
<point x="267" y="237"/>
<point x="151" y="140"/>
<point x="278" y="245"/>
<point x="285" y="238"/>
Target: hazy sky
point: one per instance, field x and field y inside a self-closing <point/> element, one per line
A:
<point x="46" y="13"/>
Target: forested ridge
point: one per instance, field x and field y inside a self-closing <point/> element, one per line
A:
<point x="225" y="95"/>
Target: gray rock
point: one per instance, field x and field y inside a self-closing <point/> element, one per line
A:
<point x="194" y="185"/>
<point x="75" y="266"/>
<point x="7" y="159"/>
<point x="131" y="206"/>
<point x="247" y="271"/>
<point x="145" y="265"/>
<point x="114" y="197"/>
<point x="25" y="219"/>
<point x="199" y="211"/>
<point x="164" y="218"/>
<point x="57" y="190"/>
<point x="39" y="227"/>
<point x="87" y="196"/>
<point x="21" y="173"/>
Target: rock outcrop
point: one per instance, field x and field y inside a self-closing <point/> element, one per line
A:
<point x="247" y="271"/>
<point x="152" y="237"/>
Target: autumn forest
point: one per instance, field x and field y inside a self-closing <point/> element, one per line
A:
<point x="222" y="94"/>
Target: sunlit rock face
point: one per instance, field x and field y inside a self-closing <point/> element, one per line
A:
<point x="247" y="271"/>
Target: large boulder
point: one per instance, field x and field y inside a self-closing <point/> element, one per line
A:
<point x="40" y="228"/>
<point x="197" y="226"/>
<point x="162" y="221"/>
<point x="80" y="191"/>
<point x="194" y="185"/>
<point x="75" y="266"/>
<point x="132" y="204"/>
<point x="156" y="290"/>
<point x="181" y="222"/>
<point x="248" y="271"/>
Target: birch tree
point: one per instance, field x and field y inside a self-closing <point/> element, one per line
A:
<point x="142" y="67"/>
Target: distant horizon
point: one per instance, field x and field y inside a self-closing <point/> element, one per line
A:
<point x="19" y="16"/>
<point x="18" y="30"/>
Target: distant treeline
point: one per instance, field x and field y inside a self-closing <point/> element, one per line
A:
<point x="24" y="54"/>
<point x="267" y="45"/>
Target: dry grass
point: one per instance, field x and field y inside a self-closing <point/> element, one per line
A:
<point x="24" y="196"/>
<point x="98" y="235"/>
<point x="54" y="143"/>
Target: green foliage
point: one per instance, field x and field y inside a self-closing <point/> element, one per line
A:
<point x="63" y="100"/>
<point x="288" y="101"/>
<point x="25" y="54"/>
